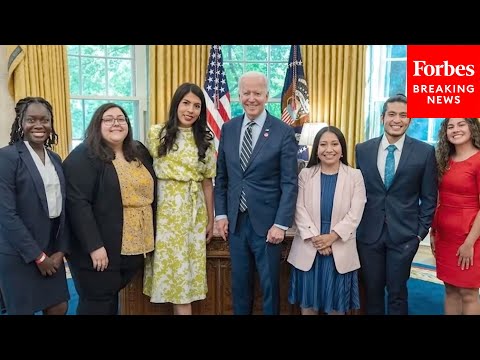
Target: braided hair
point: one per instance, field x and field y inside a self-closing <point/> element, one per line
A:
<point x="16" y="134"/>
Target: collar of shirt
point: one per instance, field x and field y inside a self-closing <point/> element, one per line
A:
<point x="34" y="154"/>
<point x="398" y="144"/>
<point x="260" y="120"/>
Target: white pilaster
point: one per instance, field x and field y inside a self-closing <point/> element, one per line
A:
<point x="7" y="105"/>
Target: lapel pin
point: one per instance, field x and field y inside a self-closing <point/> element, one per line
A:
<point x="266" y="134"/>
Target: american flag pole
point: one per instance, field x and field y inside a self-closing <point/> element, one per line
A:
<point x="217" y="94"/>
<point x="294" y="80"/>
<point x="215" y="64"/>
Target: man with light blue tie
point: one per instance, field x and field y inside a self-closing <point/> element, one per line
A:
<point x="255" y="194"/>
<point x="400" y="176"/>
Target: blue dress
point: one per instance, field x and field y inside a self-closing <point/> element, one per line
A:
<point x="322" y="287"/>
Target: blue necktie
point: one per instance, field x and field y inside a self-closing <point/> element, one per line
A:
<point x="247" y="147"/>
<point x="390" y="166"/>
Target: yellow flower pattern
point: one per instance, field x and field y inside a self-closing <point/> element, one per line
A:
<point x="176" y="271"/>
<point x="136" y="187"/>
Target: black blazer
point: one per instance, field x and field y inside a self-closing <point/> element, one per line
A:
<point x="94" y="205"/>
<point x="24" y="218"/>
<point x="407" y="207"/>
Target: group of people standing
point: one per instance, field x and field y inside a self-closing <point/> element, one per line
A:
<point x="116" y="206"/>
<point x="106" y="208"/>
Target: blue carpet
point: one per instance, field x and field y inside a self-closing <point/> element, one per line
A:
<point x="72" y="304"/>
<point x="425" y="298"/>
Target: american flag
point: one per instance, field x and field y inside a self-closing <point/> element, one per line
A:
<point x="216" y="93"/>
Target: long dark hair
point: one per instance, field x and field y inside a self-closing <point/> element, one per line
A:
<point x="16" y="134"/>
<point x="445" y="148"/>
<point x="201" y="132"/>
<point x="97" y="145"/>
<point x="314" y="160"/>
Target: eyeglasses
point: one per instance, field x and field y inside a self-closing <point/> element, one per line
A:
<point x="110" y="120"/>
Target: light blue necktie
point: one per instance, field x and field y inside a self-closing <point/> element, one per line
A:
<point x="390" y="166"/>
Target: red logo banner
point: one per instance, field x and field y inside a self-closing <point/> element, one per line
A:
<point x="443" y="81"/>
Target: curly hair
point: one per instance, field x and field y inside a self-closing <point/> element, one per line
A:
<point x="445" y="149"/>
<point x="16" y="134"/>
<point x="201" y="133"/>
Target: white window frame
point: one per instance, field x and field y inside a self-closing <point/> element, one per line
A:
<point x="268" y="61"/>
<point x="377" y="81"/>
<point x="140" y="91"/>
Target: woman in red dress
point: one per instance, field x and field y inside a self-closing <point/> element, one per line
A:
<point x="456" y="226"/>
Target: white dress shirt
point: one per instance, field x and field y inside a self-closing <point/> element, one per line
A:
<point x="51" y="182"/>
<point x="256" y="129"/>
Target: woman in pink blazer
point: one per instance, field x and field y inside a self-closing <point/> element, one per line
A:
<point x="330" y="203"/>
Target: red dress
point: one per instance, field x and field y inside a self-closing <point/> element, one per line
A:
<point x="458" y="205"/>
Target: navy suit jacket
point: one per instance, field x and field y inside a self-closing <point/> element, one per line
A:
<point x="407" y="207"/>
<point x="270" y="179"/>
<point x="24" y="219"/>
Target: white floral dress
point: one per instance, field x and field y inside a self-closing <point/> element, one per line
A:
<point x="176" y="272"/>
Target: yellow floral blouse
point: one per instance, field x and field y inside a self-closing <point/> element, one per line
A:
<point x="136" y="185"/>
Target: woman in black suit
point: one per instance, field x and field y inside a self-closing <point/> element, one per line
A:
<point x="33" y="236"/>
<point x="110" y="201"/>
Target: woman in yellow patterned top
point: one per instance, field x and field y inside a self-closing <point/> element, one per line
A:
<point x="184" y="161"/>
<point x="111" y="191"/>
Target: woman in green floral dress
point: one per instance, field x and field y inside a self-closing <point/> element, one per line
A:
<point x="184" y="163"/>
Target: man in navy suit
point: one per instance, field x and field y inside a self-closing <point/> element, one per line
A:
<point x="401" y="199"/>
<point x="255" y="194"/>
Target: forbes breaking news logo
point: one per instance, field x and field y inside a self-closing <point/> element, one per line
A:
<point x="443" y="81"/>
<point x="421" y="68"/>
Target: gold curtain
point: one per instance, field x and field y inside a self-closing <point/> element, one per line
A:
<point x="169" y="67"/>
<point x="335" y="76"/>
<point x="42" y="70"/>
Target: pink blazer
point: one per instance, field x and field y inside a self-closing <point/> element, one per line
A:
<point x="348" y="204"/>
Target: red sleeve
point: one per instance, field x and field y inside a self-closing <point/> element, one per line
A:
<point x="477" y="173"/>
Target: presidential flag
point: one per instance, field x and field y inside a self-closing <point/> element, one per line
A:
<point x="216" y="93"/>
<point x="295" y="98"/>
